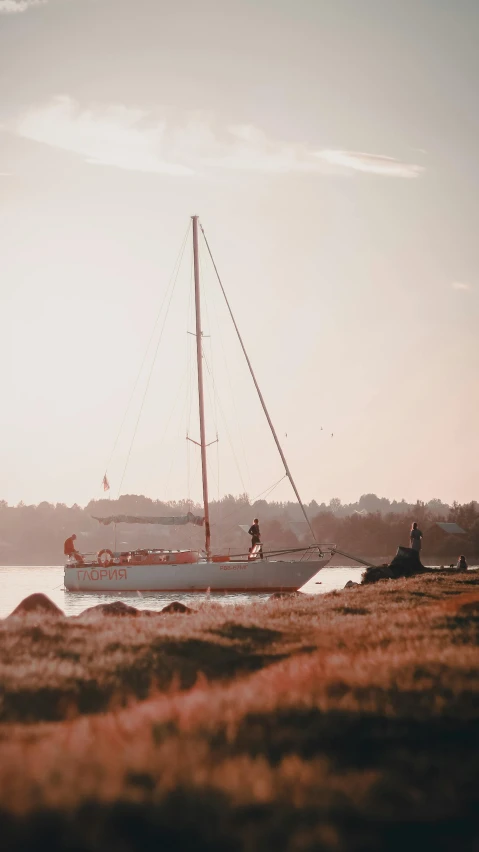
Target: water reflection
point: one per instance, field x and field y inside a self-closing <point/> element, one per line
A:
<point x="16" y="582"/>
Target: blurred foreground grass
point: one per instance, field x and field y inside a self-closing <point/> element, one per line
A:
<point x="347" y="721"/>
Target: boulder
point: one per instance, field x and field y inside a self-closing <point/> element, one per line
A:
<point x="350" y="584"/>
<point x="406" y="563"/>
<point x="378" y="572"/>
<point x="38" y="604"/>
<point x="117" y="608"/>
<point x="176" y="606"/>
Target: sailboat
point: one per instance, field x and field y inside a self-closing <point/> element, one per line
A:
<point x="160" y="570"/>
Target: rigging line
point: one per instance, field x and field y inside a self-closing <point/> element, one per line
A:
<point x="215" y="416"/>
<point x="270" y="489"/>
<point x="213" y="399"/>
<point x="189" y="358"/>
<point x="215" y="393"/>
<point x="211" y="391"/>
<point x="218" y="467"/>
<point x="228" y="435"/>
<point x="189" y="385"/>
<point x="152" y="366"/>
<point x="172" y="411"/>
<point x="204" y="298"/>
<point x="188" y="472"/>
<point x="173" y="457"/>
<point x="233" y="395"/>
<point x="170" y="417"/>
<point x="178" y="260"/>
<point x="194" y="505"/>
<point x="267" y="491"/>
<point x="211" y="471"/>
<point x="260" y="395"/>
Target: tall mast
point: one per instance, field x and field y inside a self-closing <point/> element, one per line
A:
<point x="199" y="360"/>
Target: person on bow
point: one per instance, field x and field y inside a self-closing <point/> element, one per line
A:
<point x="69" y="549"/>
<point x="254" y="532"/>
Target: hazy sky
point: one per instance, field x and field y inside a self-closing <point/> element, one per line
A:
<point x="330" y="148"/>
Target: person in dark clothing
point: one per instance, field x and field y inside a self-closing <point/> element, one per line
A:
<point x="462" y="564"/>
<point x="69" y="549"/>
<point x="415" y="537"/>
<point x="255" y="534"/>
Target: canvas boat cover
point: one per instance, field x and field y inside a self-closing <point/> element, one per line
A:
<point x="149" y="519"/>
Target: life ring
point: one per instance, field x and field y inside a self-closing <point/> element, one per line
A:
<point x="105" y="558"/>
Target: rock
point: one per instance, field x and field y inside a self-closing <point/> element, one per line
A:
<point x="39" y="604"/>
<point x="176" y="606"/>
<point x="406" y="563"/>
<point x="350" y="584"/>
<point x="117" y="608"/>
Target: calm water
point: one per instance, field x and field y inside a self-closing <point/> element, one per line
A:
<point x="18" y="582"/>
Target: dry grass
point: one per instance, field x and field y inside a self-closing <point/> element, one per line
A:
<point x="342" y="722"/>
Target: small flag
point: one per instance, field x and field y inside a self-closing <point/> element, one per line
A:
<point x="106" y="484"/>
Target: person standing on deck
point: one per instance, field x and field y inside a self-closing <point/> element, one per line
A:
<point x="254" y="532"/>
<point x="415" y="538"/>
<point x="70" y="550"/>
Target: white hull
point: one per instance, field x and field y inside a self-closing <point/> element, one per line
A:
<point x="254" y="576"/>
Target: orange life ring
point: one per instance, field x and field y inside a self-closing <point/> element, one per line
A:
<point x="108" y="560"/>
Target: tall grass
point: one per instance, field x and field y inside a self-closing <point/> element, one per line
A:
<point x="345" y="721"/>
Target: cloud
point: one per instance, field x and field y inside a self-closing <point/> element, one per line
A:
<point x="242" y="147"/>
<point x="14" y="7"/>
<point x="460" y="285"/>
<point x="137" y="140"/>
<point x="374" y="163"/>
<point x="134" y="139"/>
<point x="115" y="136"/>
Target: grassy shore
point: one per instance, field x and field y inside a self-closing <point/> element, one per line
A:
<point x="347" y="721"/>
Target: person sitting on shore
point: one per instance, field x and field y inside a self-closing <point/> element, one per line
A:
<point x="69" y="549"/>
<point x="461" y="564"/>
<point x="415" y="538"/>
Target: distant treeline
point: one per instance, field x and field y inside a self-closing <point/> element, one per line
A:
<point x="374" y="526"/>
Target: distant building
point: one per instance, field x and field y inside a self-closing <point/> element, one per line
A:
<point x="450" y="528"/>
<point x="445" y="539"/>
